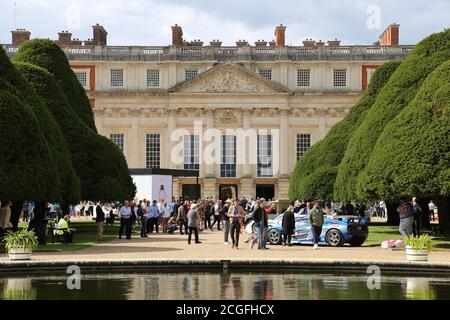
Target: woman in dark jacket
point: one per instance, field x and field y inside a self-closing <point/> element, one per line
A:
<point x="288" y="224"/>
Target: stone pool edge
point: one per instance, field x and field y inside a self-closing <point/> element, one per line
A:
<point x="409" y="267"/>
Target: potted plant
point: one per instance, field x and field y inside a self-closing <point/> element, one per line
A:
<point x="20" y="244"/>
<point x="417" y="247"/>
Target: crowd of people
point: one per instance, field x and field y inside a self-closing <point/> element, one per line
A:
<point x="192" y="217"/>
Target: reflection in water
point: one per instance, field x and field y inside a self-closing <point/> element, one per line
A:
<point x="219" y="286"/>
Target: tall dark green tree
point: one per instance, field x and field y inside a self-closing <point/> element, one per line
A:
<point x="412" y="155"/>
<point x="28" y="164"/>
<point x="47" y="54"/>
<point x="97" y="161"/>
<point x="315" y="172"/>
<point x="395" y="95"/>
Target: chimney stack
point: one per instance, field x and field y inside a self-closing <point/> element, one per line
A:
<point x="272" y="43"/>
<point x="241" y="43"/>
<point x="280" y="35"/>
<point x="334" y="43"/>
<point x="390" y="36"/>
<point x="19" y="36"/>
<point x="261" y="43"/>
<point x="177" y="36"/>
<point x="216" y="43"/>
<point x="309" y="43"/>
<point x="100" y="35"/>
<point x="64" y="38"/>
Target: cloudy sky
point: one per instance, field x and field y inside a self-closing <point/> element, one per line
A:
<point x="147" y="22"/>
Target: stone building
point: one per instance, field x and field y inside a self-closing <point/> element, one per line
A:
<point x="242" y="115"/>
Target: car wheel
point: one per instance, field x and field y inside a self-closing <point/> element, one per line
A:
<point x="357" y="242"/>
<point x="335" y="238"/>
<point x="274" y="237"/>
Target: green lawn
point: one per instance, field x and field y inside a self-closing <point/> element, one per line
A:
<point x="380" y="232"/>
<point x="84" y="237"/>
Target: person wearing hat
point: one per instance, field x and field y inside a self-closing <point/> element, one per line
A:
<point x="193" y="221"/>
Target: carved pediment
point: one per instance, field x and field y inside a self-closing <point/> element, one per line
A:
<point x="228" y="78"/>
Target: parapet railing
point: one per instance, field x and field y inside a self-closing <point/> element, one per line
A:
<point x="244" y="53"/>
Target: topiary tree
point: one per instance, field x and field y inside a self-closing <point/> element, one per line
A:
<point x="28" y="161"/>
<point x="98" y="162"/>
<point x="412" y="155"/>
<point x="47" y="54"/>
<point x="395" y="95"/>
<point x="315" y="172"/>
<point x="70" y="183"/>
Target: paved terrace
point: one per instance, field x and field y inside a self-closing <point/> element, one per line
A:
<point x="231" y="54"/>
<point x="164" y="249"/>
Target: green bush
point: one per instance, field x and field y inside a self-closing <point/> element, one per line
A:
<point x="98" y="162"/>
<point x="69" y="181"/>
<point x="412" y="155"/>
<point x="395" y="95"/>
<point x="26" y="162"/>
<point x="47" y="54"/>
<point x="315" y="172"/>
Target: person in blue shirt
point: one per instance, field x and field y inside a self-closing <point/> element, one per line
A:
<point x="153" y="217"/>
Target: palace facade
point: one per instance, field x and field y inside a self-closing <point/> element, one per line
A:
<point x="242" y="115"/>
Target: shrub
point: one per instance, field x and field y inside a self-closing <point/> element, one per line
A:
<point x="395" y="95"/>
<point x="315" y="172"/>
<point x="47" y="54"/>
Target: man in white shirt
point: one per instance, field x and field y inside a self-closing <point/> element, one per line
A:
<point x="431" y="208"/>
<point x="125" y="220"/>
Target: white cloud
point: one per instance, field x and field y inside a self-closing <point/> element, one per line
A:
<point x="147" y="22"/>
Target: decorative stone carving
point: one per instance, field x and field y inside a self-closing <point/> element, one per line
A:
<point x="227" y="116"/>
<point x="227" y="79"/>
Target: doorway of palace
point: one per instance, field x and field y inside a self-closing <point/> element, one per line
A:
<point x="266" y="191"/>
<point x="191" y="191"/>
<point x="228" y="191"/>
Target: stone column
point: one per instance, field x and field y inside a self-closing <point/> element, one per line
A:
<point x="134" y="148"/>
<point x="169" y="145"/>
<point x="285" y="145"/>
<point x="209" y="167"/>
<point x="245" y="146"/>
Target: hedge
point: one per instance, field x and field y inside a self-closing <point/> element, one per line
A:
<point x="315" y="172"/>
<point x="395" y="95"/>
<point x="47" y="54"/>
<point x="97" y="161"/>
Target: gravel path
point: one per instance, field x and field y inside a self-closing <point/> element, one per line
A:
<point x="164" y="246"/>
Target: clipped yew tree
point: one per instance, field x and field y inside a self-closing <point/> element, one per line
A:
<point x="47" y="54"/>
<point x="27" y="166"/>
<point x="315" y="172"/>
<point x="69" y="181"/>
<point x="98" y="162"/>
<point x="412" y="155"/>
<point x="395" y="95"/>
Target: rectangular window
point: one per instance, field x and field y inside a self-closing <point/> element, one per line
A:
<point x="117" y="138"/>
<point x="153" y="150"/>
<point x="265" y="73"/>
<point x="117" y="78"/>
<point x="303" y="144"/>
<point x="228" y="159"/>
<point x="190" y="73"/>
<point x="264" y="152"/>
<point x="152" y="78"/>
<point x="339" y="78"/>
<point x="303" y="78"/>
<point x="82" y="78"/>
<point x="191" y="152"/>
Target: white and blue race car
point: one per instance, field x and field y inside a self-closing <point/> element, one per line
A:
<point x="336" y="230"/>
